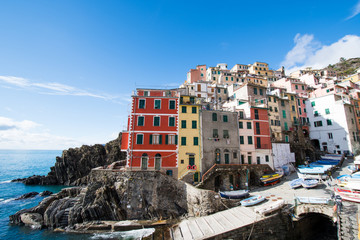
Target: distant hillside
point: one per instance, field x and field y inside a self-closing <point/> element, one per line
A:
<point x="346" y="66"/>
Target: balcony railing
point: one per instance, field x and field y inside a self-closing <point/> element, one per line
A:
<point x="262" y="146"/>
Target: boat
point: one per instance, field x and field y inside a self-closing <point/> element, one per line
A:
<point x="309" y="183"/>
<point x="296" y="183"/>
<point x="351" y="168"/>
<point x="348" y="194"/>
<point x="270" y="207"/>
<point x="353" y="185"/>
<point x="234" y="194"/>
<point x="273" y="179"/>
<point x="326" y="162"/>
<point x="264" y="177"/>
<point x="313" y="200"/>
<point x="252" y="200"/>
<point x="312" y="176"/>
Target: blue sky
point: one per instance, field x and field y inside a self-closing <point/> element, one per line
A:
<point x="67" y="68"/>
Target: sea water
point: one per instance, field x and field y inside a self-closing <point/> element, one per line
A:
<point x="24" y="163"/>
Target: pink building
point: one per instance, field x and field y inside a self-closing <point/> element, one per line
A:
<point x="198" y="74"/>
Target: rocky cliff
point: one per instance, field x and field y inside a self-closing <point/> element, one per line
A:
<point x="115" y="195"/>
<point x="75" y="164"/>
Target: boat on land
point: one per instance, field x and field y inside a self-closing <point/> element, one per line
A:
<point x="348" y="194"/>
<point x="252" y="200"/>
<point x="271" y="180"/>
<point x="270" y="207"/>
<point x="318" y="176"/>
<point x="313" y="200"/>
<point x="296" y="183"/>
<point x="309" y="183"/>
<point x="351" y="168"/>
<point x="234" y="194"/>
<point x="264" y="177"/>
<point x="326" y="162"/>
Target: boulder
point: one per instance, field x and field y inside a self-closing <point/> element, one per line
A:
<point x="34" y="220"/>
<point x="45" y="193"/>
<point x="27" y="195"/>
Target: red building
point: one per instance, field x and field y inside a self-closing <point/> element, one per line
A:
<point x="260" y="117"/>
<point x="151" y="137"/>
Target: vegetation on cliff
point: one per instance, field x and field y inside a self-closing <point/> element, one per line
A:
<point x="346" y="67"/>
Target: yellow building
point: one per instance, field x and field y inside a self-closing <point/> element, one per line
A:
<point x="260" y="68"/>
<point x="294" y="112"/>
<point x="189" y="139"/>
<point x="355" y="78"/>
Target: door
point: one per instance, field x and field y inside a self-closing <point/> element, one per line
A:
<point x="227" y="158"/>
<point x="157" y="162"/>
<point x="144" y="162"/>
<point x="191" y="160"/>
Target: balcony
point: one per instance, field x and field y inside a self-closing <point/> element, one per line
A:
<point x="262" y="146"/>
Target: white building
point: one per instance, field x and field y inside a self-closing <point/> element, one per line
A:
<point x="332" y="123"/>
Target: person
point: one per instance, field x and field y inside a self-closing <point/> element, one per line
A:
<point x="231" y="187"/>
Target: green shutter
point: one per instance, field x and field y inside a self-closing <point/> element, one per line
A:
<point x="176" y="139"/>
<point x="166" y="139"/>
<point x="150" y="139"/>
<point x="160" y="139"/>
<point x="194" y="125"/>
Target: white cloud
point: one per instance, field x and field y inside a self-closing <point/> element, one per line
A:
<point x="356" y="11"/>
<point x="30" y="135"/>
<point x="308" y="52"/>
<point x="56" y="89"/>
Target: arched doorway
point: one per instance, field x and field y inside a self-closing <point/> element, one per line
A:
<point x="315" y="226"/>
<point x="144" y="161"/>
<point x="227" y="156"/>
<point x="217" y="156"/>
<point x="157" y="162"/>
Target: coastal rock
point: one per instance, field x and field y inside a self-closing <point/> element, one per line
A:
<point x="34" y="220"/>
<point x="45" y="193"/>
<point x="27" y="195"/>
<point x="75" y="164"/>
<point x="117" y="196"/>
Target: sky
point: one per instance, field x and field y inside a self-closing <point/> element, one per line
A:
<point x="68" y="68"/>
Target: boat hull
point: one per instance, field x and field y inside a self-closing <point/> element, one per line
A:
<point x="234" y="194"/>
<point x="252" y="201"/>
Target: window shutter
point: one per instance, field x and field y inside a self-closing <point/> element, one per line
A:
<point x="176" y="139"/>
<point x="166" y="139"/>
<point x="150" y="139"/>
<point x="160" y="139"/>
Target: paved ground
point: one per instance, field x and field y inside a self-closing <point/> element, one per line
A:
<point x="282" y="190"/>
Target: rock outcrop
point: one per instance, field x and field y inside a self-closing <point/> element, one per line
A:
<point x="116" y="196"/>
<point x="75" y="164"/>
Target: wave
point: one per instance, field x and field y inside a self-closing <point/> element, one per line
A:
<point x="134" y="234"/>
<point x="8" y="181"/>
<point x="4" y="201"/>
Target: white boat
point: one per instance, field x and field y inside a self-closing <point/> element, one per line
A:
<point x="270" y="207"/>
<point x="313" y="200"/>
<point x="348" y="194"/>
<point x="312" y="176"/>
<point x="252" y="200"/>
<point x="309" y="183"/>
<point x="351" y="168"/>
<point x="296" y="183"/>
<point x="353" y="185"/>
<point x="234" y="194"/>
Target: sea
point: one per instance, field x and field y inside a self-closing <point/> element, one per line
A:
<point x="24" y="163"/>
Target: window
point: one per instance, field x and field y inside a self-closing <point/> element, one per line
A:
<point x="226" y="133"/>
<point x="296" y="87"/>
<point x="156" y="121"/>
<point x="282" y="103"/>
<point x="241" y="115"/>
<point x="257" y="128"/>
<point x="225" y="118"/>
<point x="234" y="155"/>
<point x="286" y="126"/>
<point x="256" y="114"/>
<point x="284" y="113"/>
<point x="272" y="122"/>
<point x="146" y="93"/>
<point x="241" y="125"/>
<point x="318" y="124"/>
<point x="266" y="158"/>
<point x="328" y="121"/>
<point x="248" y="124"/>
<point x="269" y="99"/>
<point x="276" y="110"/>
<point x="255" y="91"/>
<point x="140" y="121"/>
<point x="227" y="156"/>
<point x="139" y="139"/>
<point x="352" y="121"/>
<point x="270" y="108"/>
<point x="192" y="99"/>
<point x="157" y="104"/>
<point x="260" y="91"/>
<point x="183" y="109"/>
<point x="312" y="104"/>
<point x="141" y="103"/>
<point x="196" y="141"/>
<point x="350" y="109"/>
<point x="193" y="110"/>
<point x="241" y="139"/>
<point x="155" y="139"/>
<point x="330" y="135"/>
<point x="242" y="159"/>
<point x="258" y="142"/>
<point x="304" y="110"/>
<point x="316" y="114"/>
<point x="258" y="160"/>
<point x="215" y="133"/>
<point x="293" y="108"/>
<point x="172" y="104"/>
<point x="169" y="172"/>
<point x="300" y="111"/>
<point x="183" y="141"/>
<point x="292" y="98"/>
<point x="214" y="117"/>
<point x="250" y="140"/>
<point x="170" y="139"/>
<point x="171" y="121"/>
<point x="274" y="99"/>
<point x="183" y="123"/>
<point x="286" y="138"/>
<point x="194" y="124"/>
<point x="302" y="87"/>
